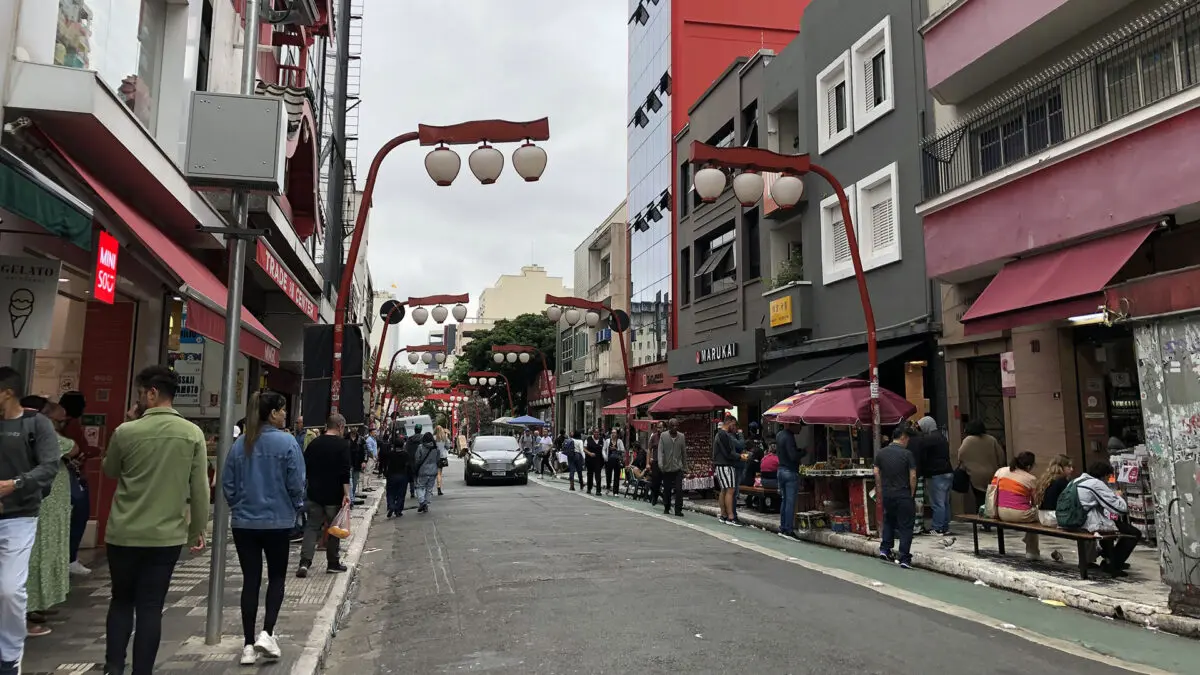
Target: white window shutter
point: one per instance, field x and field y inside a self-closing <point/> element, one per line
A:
<point x="841" y="243"/>
<point x="869" y="84"/>
<point x="831" y="107"/>
<point x="883" y="221"/>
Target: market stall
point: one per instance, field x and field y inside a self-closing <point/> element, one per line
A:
<point x="838" y="488"/>
<point x="694" y="409"/>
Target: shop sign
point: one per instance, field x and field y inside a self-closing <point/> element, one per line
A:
<point x="283" y="278"/>
<point x="717" y="353"/>
<point x="104" y="285"/>
<point x="188" y="364"/>
<point x="651" y="379"/>
<point x="1008" y="375"/>
<point x="30" y="285"/>
<point x="781" y="311"/>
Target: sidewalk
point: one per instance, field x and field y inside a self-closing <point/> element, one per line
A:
<point x="1140" y="598"/>
<point x="306" y="623"/>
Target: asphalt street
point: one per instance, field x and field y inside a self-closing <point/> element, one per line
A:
<point x="533" y="579"/>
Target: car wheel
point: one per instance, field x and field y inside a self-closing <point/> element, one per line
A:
<point x="467" y="479"/>
<point x="524" y="480"/>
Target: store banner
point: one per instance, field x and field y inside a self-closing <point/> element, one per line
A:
<point x="1008" y="375"/>
<point x="104" y="285"/>
<point x="287" y="283"/>
<point x="188" y="363"/>
<point x="30" y="286"/>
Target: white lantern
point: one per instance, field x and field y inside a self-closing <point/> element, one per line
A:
<point x="554" y="313"/>
<point x="710" y="183"/>
<point x="459" y="312"/>
<point x="572" y="316"/>
<point x="414" y="357"/>
<point x="787" y="191"/>
<point x="442" y="165"/>
<point x="440" y="357"/>
<point x="486" y="163"/>
<point x="511" y="356"/>
<point x="748" y="187"/>
<point x="420" y="315"/>
<point x="440" y="313"/>
<point x="498" y="357"/>
<point x="426" y="358"/>
<point x="530" y="161"/>
<point x="491" y="381"/>
<point x="524" y="357"/>
<point x="592" y="319"/>
<point x="473" y="381"/>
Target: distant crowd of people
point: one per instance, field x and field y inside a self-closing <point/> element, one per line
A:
<point x="412" y="463"/>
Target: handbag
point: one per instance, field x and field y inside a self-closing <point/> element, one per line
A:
<point x="989" y="503"/>
<point x="962" y="481"/>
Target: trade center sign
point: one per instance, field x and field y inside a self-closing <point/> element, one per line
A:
<point x="287" y="283"/>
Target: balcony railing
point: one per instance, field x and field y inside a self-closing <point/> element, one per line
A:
<point x="1152" y="58"/>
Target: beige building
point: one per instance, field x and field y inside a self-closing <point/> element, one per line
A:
<point x="517" y="294"/>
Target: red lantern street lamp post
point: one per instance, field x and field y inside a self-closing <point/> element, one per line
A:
<point x="523" y="353"/>
<point x="415" y="353"/>
<point x="442" y="165"/>
<point x="592" y="312"/>
<point x="710" y="182"/>
<point x="487" y="378"/>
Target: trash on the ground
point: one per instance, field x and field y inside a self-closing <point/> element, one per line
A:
<point x="699" y="636"/>
<point x="979" y="582"/>
<point x="842" y="550"/>
<point x="734" y="600"/>
<point x="1007" y="626"/>
<point x="734" y="539"/>
<point x="371" y="550"/>
<point x="1053" y="603"/>
<point x="876" y="583"/>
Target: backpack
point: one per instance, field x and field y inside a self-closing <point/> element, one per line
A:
<point x="29" y="428"/>
<point x="1069" y="511"/>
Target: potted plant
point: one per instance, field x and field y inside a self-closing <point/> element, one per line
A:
<point x="790" y="297"/>
<point x="790" y="271"/>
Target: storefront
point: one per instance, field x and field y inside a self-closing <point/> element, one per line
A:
<point x="723" y="365"/>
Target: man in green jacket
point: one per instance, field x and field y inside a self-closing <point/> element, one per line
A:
<point x="160" y="463"/>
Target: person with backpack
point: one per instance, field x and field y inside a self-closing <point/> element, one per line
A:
<point x="572" y="448"/>
<point x="1089" y="504"/>
<point x="396" y="465"/>
<point x="30" y="458"/>
<point x="425" y="469"/>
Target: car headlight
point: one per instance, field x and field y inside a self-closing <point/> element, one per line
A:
<point x="477" y="460"/>
<point x="521" y="460"/>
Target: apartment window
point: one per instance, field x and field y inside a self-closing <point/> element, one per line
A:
<point x="605" y="268"/>
<point x="833" y="104"/>
<point x="750" y="126"/>
<point x="580" y="349"/>
<point x="718" y="262"/>
<point x="202" y="65"/>
<point x="1033" y="129"/>
<point x="836" y="263"/>
<point x="878" y="218"/>
<point x="753" y="252"/>
<point x="566" y="350"/>
<point x="685" y="272"/>
<point x="871" y="63"/>
<point x="1135" y="80"/>
<point x="685" y="179"/>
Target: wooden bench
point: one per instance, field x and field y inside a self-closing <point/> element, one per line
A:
<point x="1081" y="538"/>
<point x="761" y="492"/>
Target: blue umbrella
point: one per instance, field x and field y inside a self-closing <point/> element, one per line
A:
<point x="526" y="420"/>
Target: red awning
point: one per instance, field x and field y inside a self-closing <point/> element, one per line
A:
<point x="1052" y="286"/>
<point x="635" y="401"/>
<point x="206" y="308"/>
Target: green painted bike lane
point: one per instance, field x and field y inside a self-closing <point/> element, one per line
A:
<point x="1119" y="639"/>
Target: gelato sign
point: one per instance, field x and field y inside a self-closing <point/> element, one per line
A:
<point x="29" y="287"/>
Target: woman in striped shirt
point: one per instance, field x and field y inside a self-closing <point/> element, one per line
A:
<point x="1015" y="486"/>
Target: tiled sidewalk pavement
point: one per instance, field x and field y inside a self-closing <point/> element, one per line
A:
<point x="77" y="644"/>
<point x="1140" y="598"/>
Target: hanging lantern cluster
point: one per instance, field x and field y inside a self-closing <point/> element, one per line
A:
<point x="486" y="162"/>
<point x="439" y="313"/>
<point x="748" y="187"/>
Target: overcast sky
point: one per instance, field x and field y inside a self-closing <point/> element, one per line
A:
<point x="447" y="62"/>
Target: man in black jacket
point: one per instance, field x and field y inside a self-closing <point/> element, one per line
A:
<point x="727" y="451"/>
<point x="593" y="452"/>
<point x="933" y="461"/>
<point x="396" y="465"/>
<point x="327" y="466"/>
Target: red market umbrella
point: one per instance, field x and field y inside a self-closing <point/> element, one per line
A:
<point x="847" y="401"/>
<point x="682" y="401"/>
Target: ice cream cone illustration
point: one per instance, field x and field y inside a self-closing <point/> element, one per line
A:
<point x="20" y="306"/>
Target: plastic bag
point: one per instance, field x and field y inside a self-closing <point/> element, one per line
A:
<point x="340" y="527"/>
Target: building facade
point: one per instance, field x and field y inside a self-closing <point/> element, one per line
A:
<point x="590" y="363"/>
<point x="1060" y="216"/>
<point x="676" y="48"/>
<point x="515" y="294"/>
<point x="771" y="304"/>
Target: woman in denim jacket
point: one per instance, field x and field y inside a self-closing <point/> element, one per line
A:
<point x="263" y="482"/>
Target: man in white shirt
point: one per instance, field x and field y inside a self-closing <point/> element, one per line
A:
<point x="546" y="450"/>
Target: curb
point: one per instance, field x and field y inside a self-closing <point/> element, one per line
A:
<point x="312" y="659"/>
<point x="1142" y="614"/>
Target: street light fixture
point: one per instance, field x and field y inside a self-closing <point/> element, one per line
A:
<point x="524" y="354"/>
<point x="618" y="320"/>
<point x="490" y="379"/>
<point x="787" y="191"/>
<point x="442" y="164"/>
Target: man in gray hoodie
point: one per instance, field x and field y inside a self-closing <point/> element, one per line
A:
<point x="671" y="457"/>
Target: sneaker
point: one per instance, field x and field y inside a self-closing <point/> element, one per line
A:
<point x="267" y="645"/>
<point x="77" y="568"/>
<point x="249" y="656"/>
<point x="886" y="556"/>
<point x="786" y="535"/>
<point x="302" y="571"/>
<point x="904" y="564"/>
<point x="335" y="568"/>
<point x="721" y="520"/>
<point x="389" y="514"/>
<point x="735" y="522"/>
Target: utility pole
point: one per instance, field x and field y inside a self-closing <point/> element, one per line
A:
<point x="233" y="329"/>
<point x="336" y="199"/>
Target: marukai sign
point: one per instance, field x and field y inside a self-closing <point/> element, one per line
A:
<point x="717" y="353"/>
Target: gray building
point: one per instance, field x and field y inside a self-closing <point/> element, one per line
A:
<point x="768" y="297"/>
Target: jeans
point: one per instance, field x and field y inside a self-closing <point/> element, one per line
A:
<point x="939" y="500"/>
<point x="252" y="547"/>
<point x="397" y="485"/>
<point x="899" y="513"/>
<point x="425" y="488"/>
<point x="789" y="488"/>
<point x="81" y="512"/>
<point x="575" y="467"/>
<point x="355" y="482"/>
<point x="319" y="516"/>
<point x="141" y="576"/>
<point x="672" y="483"/>
<point x="16" y="543"/>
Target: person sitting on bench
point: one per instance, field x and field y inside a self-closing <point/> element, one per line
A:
<point x="1107" y="512"/>
<point x="1014" y="486"/>
<point x="769" y="468"/>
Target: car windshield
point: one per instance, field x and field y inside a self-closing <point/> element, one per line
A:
<point x="489" y="443"/>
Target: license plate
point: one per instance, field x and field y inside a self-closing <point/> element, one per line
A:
<point x="499" y="473"/>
